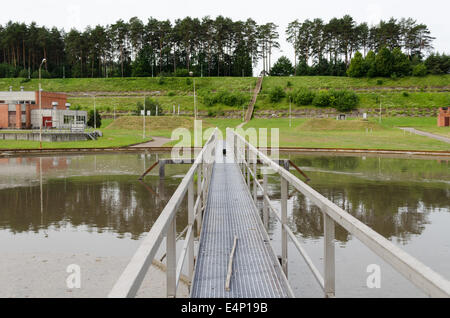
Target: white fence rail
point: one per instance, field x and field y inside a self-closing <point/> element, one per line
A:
<point x="165" y="226"/>
<point x="422" y="276"/>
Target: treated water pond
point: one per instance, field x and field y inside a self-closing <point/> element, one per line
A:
<point x="92" y="211"/>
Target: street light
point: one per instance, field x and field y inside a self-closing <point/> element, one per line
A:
<point x="40" y="104"/>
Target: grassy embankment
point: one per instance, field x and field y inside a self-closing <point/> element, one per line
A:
<point x="423" y="93"/>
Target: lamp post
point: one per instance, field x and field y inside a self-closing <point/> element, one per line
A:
<point x="143" y="130"/>
<point x="40" y="104"/>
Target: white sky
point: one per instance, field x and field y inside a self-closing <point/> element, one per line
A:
<point x="81" y="13"/>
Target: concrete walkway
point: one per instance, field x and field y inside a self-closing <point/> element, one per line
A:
<point x="156" y="142"/>
<point x="426" y="134"/>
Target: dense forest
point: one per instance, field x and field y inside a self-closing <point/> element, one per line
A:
<point x="206" y="47"/>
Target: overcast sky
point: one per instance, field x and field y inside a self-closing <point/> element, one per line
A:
<point x="81" y="13"/>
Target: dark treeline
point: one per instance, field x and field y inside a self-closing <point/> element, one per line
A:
<point x="212" y="47"/>
<point x="329" y="47"/>
<point x="219" y="47"/>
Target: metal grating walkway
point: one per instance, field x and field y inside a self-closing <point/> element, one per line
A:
<point x="231" y="211"/>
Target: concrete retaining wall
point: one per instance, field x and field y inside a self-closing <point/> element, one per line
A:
<point x="52" y="137"/>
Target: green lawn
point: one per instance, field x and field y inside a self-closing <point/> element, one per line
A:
<point x="182" y="85"/>
<point x="384" y="136"/>
<point x="110" y="139"/>
<point x="131" y="84"/>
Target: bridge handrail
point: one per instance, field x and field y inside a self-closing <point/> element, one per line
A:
<point x="131" y="279"/>
<point x="416" y="272"/>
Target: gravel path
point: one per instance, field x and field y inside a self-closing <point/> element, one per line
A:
<point x="156" y="142"/>
<point x="426" y="134"/>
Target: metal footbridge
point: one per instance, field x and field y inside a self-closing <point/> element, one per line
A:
<point x="234" y="257"/>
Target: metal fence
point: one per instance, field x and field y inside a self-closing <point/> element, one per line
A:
<point x="165" y="226"/>
<point x="247" y="157"/>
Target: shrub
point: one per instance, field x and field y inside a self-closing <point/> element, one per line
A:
<point x="289" y="84"/>
<point x="405" y="94"/>
<point x="419" y="70"/>
<point x="161" y="80"/>
<point x="150" y="105"/>
<point x="98" y="119"/>
<point x="303" y="96"/>
<point x="379" y="82"/>
<point x="181" y="72"/>
<point x="224" y="97"/>
<point x="343" y="100"/>
<point x="23" y="74"/>
<point x="188" y="81"/>
<point x="7" y="70"/>
<point x="44" y="74"/>
<point x="322" y="99"/>
<point x="171" y="93"/>
<point x="276" y="94"/>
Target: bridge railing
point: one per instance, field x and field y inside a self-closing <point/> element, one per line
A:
<point x="422" y="276"/>
<point x="165" y="226"/>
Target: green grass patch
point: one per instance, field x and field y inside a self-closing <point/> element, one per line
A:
<point x="383" y="137"/>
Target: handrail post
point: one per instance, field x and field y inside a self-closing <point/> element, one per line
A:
<point x="255" y="194"/>
<point x="265" y="207"/>
<point x="248" y="167"/>
<point x="191" y="214"/>
<point x="171" y="252"/>
<point x="329" y="261"/>
<point x="199" y="196"/>
<point x="284" y="235"/>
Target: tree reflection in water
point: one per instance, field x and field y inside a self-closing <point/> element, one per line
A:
<point x="392" y="196"/>
<point x="108" y="203"/>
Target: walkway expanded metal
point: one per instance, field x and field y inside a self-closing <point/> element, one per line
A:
<point x="230" y="213"/>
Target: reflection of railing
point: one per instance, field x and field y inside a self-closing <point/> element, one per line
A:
<point x="422" y="276"/>
<point x="133" y="275"/>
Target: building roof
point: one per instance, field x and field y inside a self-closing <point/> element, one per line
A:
<point x="17" y="96"/>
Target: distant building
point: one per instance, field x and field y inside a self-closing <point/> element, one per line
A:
<point x="20" y="110"/>
<point x="444" y="117"/>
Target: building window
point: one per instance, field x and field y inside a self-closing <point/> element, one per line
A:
<point x="81" y="119"/>
<point x="68" y="119"/>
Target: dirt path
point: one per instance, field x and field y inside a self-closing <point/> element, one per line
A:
<point x="156" y="142"/>
<point x="426" y="134"/>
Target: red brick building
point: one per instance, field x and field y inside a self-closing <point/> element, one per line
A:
<point x="16" y="108"/>
<point x="444" y="117"/>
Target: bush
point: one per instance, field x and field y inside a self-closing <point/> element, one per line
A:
<point x="7" y="70"/>
<point x="188" y="81"/>
<point x="224" y="97"/>
<point x="405" y="94"/>
<point x="276" y="94"/>
<point x="322" y="99"/>
<point x="171" y="93"/>
<point x="44" y="74"/>
<point x="181" y="72"/>
<point x="419" y="70"/>
<point x="23" y="74"/>
<point x="303" y="96"/>
<point x="98" y="119"/>
<point x="344" y="100"/>
<point x="150" y="105"/>
<point x="161" y="80"/>
<point x="379" y="82"/>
